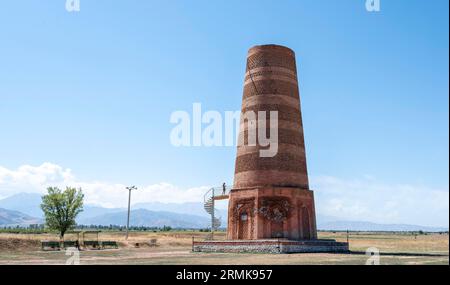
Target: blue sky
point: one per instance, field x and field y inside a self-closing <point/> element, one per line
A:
<point x="93" y="91"/>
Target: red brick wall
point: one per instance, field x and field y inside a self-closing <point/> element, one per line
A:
<point x="272" y="193"/>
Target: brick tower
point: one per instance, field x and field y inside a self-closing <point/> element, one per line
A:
<point x="271" y="196"/>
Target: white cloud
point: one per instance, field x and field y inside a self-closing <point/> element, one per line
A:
<point x="36" y="179"/>
<point x="367" y="199"/>
<point x="34" y="176"/>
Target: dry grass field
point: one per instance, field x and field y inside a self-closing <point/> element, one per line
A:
<point x="175" y="248"/>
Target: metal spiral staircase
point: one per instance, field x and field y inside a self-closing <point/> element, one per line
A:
<point x="215" y="194"/>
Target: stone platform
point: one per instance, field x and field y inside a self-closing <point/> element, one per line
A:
<point x="271" y="246"/>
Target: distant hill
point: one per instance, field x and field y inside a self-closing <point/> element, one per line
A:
<point x="191" y="208"/>
<point x="13" y="218"/>
<point x="374" y="227"/>
<point x="27" y="203"/>
<point x="90" y="211"/>
<point x="143" y="217"/>
<point x="185" y="208"/>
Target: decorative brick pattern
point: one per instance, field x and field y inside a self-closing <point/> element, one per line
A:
<point x="273" y="48"/>
<point x="288" y="148"/>
<point x="285" y="113"/>
<point x="268" y="73"/>
<point x="283" y="162"/>
<point x="295" y="205"/>
<point x="271" y="178"/>
<point x="271" y="58"/>
<point x="261" y="87"/>
<point x="285" y="136"/>
<point x="272" y="99"/>
<point x="271" y="196"/>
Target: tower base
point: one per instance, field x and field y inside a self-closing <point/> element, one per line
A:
<point x="261" y="213"/>
<point x="271" y="246"/>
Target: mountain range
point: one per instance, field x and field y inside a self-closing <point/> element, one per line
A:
<point x="143" y="217"/>
<point x="24" y="209"/>
<point x="15" y="218"/>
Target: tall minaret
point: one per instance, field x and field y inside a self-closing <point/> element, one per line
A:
<point x="271" y="196"/>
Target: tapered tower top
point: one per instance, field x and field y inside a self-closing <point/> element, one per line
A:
<point x="271" y="47"/>
<point x="271" y="85"/>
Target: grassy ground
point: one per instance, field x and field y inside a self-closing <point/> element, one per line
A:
<point x="175" y="248"/>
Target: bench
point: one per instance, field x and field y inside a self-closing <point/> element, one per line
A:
<point x="71" y="243"/>
<point x="108" y="243"/>
<point x="50" y="245"/>
<point x="92" y="244"/>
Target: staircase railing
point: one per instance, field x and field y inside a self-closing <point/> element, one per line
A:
<point x="209" y="205"/>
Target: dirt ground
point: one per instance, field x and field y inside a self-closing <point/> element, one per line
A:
<point x="175" y="248"/>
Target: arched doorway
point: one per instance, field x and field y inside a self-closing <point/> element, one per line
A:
<point x="243" y="232"/>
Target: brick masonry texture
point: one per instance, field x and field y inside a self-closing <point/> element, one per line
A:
<point x="270" y="94"/>
<point x="271" y="178"/>
<point x="272" y="212"/>
<point x="272" y="99"/>
<point x="288" y="148"/>
<point x="269" y="74"/>
<point x="268" y="56"/>
<point x="286" y="113"/>
<point x="284" y="162"/>
<point x="271" y="87"/>
<point x="284" y="137"/>
<point x="271" y="196"/>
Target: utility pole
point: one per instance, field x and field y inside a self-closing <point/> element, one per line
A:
<point x="129" y="204"/>
<point x="212" y="215"/>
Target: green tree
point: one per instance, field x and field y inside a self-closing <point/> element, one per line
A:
<point x="61" y="208"/>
